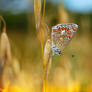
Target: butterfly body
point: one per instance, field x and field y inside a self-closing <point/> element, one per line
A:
<point x="61" y="36"/>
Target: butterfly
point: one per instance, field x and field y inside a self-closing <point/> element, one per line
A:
<point x="61" y="36"/>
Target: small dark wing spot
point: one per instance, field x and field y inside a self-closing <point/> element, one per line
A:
<point x="73" y="55"/>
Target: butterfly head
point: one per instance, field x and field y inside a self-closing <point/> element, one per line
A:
<point x="74" y="27"/>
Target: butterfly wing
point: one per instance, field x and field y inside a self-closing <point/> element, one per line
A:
<point x="61" y="36"/>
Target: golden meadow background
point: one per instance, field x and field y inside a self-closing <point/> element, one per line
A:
<point x="71" y="72"/>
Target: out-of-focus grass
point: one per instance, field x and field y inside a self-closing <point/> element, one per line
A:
<point x="69" y="73"/>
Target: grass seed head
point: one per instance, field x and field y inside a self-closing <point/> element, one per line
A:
<point x="47" y="52"/>
<point x="5" y="49"/>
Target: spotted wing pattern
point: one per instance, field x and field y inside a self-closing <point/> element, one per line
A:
<point x="61" y="36"/>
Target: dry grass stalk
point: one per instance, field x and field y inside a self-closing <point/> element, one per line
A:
<point x="37" y="13"/>
<point x="5" y="53"/>
<point x="41" y="26"/>
<point x="43" y="35"/>
<point x="44" y="38"/>
<point x="46" y="48"/>
<point x="46" y="62"/>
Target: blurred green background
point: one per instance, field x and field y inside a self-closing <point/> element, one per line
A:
<point x="72" y="70"/>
